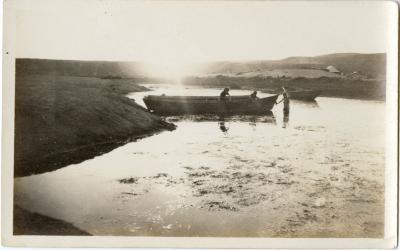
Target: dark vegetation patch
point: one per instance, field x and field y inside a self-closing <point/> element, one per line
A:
<point x="128" y="180"/>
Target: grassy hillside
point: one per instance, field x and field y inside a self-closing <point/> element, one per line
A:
<point x="78" y="68"/>
<point x="302" y="73"/>
<point x="60" y="120"/>
<point x="277" y="73"/>
<point x="372" y="65"/>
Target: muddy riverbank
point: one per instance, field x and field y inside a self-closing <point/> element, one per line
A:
<point x="62" y="120"/>
<point x="27" y="223"/>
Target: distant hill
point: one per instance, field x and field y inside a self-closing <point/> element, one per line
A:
<point x="370" y="65"/>
<point x="26" y="66"/>
<point x="373" y="64"/>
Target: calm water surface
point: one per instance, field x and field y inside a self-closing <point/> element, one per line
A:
<point x="317" y="173"/>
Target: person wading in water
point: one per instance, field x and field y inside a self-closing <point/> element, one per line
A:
<point x="224" y="100"/>
<point x="285" y="100"/>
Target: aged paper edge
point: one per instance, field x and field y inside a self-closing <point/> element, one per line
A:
<point x="9" y="54"/>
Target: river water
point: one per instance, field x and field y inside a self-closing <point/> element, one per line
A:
<point x="317" y="173"/>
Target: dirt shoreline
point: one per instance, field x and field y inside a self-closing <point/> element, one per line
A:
<point x="62" y="120"/>
<point x="28" y="223"/>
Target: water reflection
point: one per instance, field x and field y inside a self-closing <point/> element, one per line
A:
<point x="223" y="121"/>
<point x="308" y="104"/>
<point x="223" y="127"/>
<point x="285" y="120"/>
<point x="251" y="119"/>
<point x="267" y="117"/>
<point x="253" y="123"/>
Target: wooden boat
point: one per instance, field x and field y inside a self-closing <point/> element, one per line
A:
<point x="305" y="95"/>
<point x="176" y="105"/>
<point x="297" y="94"/>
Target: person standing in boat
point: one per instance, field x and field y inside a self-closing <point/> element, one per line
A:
<point x="285" y="100"/>
<point x="224" y="94"/>
<point x="253" y="95"/>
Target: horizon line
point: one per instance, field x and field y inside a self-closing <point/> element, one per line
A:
<point x="202" y="61"/>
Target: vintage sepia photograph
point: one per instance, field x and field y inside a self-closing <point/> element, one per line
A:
<point x="199" y="120"/>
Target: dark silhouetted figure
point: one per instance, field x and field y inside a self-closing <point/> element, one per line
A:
<point x="224" y="94"/>
<point x="285" y="99"/>
<point x="254" y="95"/>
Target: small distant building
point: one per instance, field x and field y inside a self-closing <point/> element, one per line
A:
<point x="332" y="69"/>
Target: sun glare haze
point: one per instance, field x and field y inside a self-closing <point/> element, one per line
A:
<point x="172" y="69"/>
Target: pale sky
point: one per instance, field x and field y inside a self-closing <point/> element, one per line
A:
<point x="199" y="31"/>
<point x="129" y="30"/>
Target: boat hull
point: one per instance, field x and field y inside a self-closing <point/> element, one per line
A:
<point x="178" y="105"/>
<point x="306" y="95"/>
